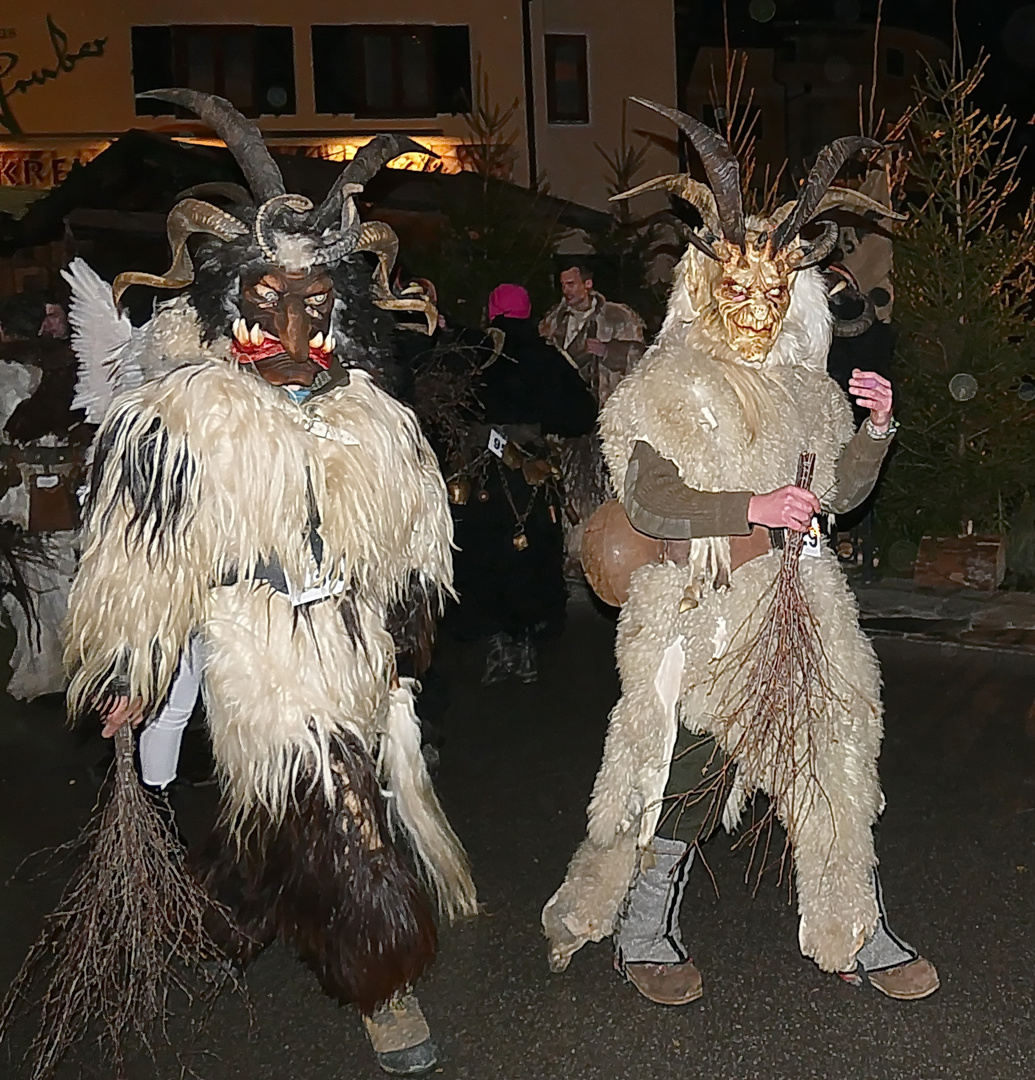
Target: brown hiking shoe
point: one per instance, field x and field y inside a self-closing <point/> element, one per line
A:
<point x="400" y="1037"/>
<point x="666" y="984"/>
<point x="908" y="982"/>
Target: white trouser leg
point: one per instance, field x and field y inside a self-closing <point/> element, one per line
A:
<point x="160" y="739"/>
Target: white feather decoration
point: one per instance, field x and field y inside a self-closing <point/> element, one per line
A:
<point x="99" y="335"/>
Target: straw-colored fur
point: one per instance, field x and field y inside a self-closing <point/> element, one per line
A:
<point x="733" y="427"/>
<point x="220" y="462"/>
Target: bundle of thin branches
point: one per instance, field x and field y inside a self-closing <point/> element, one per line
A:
<point x="785" y="693"/>
<point x="779" y="691"/>
<point x="129" y="929"/>
<point x="445" y="396"/>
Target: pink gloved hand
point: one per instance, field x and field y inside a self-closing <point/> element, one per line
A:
<point x="788" y="507"/>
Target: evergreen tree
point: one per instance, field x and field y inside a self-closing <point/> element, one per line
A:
<point x="965" y="357"/>
<point x="492" y="231"/>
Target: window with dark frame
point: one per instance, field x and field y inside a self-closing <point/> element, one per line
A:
<point x="253" y="67"/>
<point x="895" y="63"/>
<point x="391" y="71"/>
<point x="567" y="82"/>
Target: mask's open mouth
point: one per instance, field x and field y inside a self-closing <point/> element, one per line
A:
<point x="753" y="331"/>
<point x="249" y="344"/>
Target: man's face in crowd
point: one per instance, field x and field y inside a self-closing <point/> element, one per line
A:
<point x="575" y="288"/>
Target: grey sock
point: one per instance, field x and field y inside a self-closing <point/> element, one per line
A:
<point x="649" y="929"/>
<point x="883" y="949"/>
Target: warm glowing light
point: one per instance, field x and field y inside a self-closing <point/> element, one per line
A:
<point x="445" y="147"/>
<point x="43" y="167"/>
<point x="40" y="167"/>
<point x="343" y="148"/>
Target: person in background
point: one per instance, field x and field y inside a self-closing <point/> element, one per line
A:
<point x="602" y="339"/>
<point x="507" y="500"/>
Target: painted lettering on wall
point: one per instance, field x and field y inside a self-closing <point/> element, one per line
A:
<point x="41" y="168"/>
<point x="64" y="62"/>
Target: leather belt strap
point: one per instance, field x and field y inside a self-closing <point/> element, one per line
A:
<point x="745" y="548"/>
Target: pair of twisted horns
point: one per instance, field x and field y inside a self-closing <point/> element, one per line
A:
<point x="720" y="202"/>
<point x="187" y="218"/>
<point x="333" y="227"/>
<point x="244" y="140"/>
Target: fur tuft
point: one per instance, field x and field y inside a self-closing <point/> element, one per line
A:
<point x="327" y="881"/>
<point x="440" y="856"/>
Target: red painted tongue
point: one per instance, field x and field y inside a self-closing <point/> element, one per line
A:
<point x="270" y="346"/>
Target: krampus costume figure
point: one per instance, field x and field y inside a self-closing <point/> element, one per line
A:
<point x="261" y="514"/>
<point x="727" y="399"/>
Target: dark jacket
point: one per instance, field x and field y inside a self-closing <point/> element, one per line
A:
<point x="531" y="383"/>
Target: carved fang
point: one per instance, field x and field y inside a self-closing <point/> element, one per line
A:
<point x="256" y="336"/>
<point x="316" y="342"/>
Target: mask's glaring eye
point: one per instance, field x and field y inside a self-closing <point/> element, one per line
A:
<point x="776" y="294"/>
<point x="732" y="291"/>
<point x="266" y="295"/>
<point x="316" y="298"/>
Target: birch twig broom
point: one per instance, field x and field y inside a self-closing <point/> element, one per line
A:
<point x="128" y="930"/>
<point x="779" y="695"/>
<point x="785" y="695"/>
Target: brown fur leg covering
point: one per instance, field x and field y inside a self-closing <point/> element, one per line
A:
<point x="329" y="882"/>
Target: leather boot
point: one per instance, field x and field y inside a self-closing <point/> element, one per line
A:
<point x="400" y="1037"/>
<point x="666" y="984"/>
<point x="649" y="948"/>
<point x="890" y="964"/>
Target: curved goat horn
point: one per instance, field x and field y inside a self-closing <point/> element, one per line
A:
<point x="299" y="203"/>
<point x="379" y="238"/>
<point x="815" y="251"/>
<point x="827" y="166"/>
<point x="720" y="165"/>
<point x="684" y="187"/>
<point x="854" y="200"/>
<point x="243" y="139"/>
<point x="368" y="160"/>
<point x="219" y="189"/>
<point x="186" y="218"/>
<point x="846" y="328"/>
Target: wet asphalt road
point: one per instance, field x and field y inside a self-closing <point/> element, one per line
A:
<point x="958" y="866"/>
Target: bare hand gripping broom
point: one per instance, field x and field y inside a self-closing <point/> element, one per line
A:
<point x="129" y="928"/>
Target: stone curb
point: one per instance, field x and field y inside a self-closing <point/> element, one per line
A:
<point x="1003" y="621"/>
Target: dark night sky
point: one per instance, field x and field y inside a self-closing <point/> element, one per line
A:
<point x="1005" y="29"/>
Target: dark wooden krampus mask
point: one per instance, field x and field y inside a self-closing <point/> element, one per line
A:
<point x="281" y="249"/>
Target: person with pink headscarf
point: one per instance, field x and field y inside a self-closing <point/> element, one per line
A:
<point x="509" y="569"/>
<point x="510" y="301"/>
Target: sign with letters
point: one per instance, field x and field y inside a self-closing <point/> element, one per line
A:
<point x="42" y="168"/>
<point x="16" y="79"/>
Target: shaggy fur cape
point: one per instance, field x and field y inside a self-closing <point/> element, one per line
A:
<point x="206" y="475"/>
<point x="730" y="427"/>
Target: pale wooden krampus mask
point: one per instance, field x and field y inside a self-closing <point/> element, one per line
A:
<point x="756" y="257"/>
